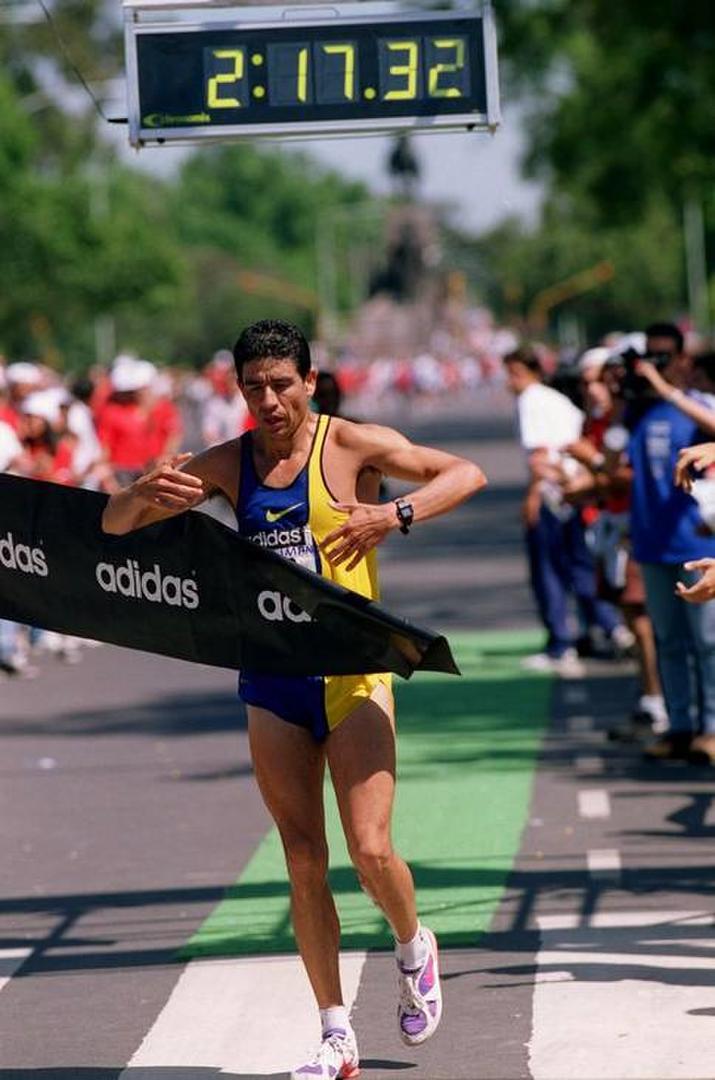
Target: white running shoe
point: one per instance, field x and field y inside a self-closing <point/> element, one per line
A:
<point x="623" y="641"/>
<point x="336" y="1059"/>
<point x="420" y="1008"/>
<point x="568" y="665"/>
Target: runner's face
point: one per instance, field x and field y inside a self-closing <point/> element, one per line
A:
<point x="277" y="395"/>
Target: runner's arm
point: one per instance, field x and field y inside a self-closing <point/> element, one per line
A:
<point x="171" y="488"/>
<point x="444" y="480"/>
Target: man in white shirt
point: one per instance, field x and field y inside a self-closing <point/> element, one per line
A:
<point x="559" y="561"/>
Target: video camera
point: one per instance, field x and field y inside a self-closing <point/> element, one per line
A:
<point x="623" y="361"/>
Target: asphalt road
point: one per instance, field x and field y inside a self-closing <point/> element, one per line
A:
<point x="127" y="807"/>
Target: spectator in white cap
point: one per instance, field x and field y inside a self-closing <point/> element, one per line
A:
<point x="45" y="437"/>
<point x="603" y="492"/>
<point x="124" y="423"/>
<point x="22" y="379"/>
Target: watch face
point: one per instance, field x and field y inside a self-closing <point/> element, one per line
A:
<point x="405" y="512"/>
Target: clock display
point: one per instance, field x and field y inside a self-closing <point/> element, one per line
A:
<point x="337" y="74"/>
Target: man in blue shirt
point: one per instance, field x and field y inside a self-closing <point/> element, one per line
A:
<point x="667" y="531"/>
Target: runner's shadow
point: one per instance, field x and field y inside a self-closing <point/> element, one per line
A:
<point x="386" y="1066"/>
<point x="166" y="1072"/>
<point x="161" y="1072"/>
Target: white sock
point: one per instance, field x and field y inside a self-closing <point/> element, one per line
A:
<point x="412" y="954"/>
<point x="653" y="703"/>
<point x="334" y="1017"/>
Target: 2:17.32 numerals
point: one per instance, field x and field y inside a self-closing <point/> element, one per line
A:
<point x="295" y="73"/>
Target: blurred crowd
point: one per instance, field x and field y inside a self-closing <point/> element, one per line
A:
<point x="464" y="361"/>
<point x="620" y="526"/>
<point x="100" y="432"/>
<point x="103" y="429"/>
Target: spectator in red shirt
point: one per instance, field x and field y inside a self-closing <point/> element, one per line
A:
<point x="124" y="423"/>
<point x="166" y="428"/>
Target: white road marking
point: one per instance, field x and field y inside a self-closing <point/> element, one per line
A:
<point x="604" y="863"/>
<point x="250" y="1016"/>
<point x="575" y="695"/>
<point x="579" y="723"/>
<point x="624" y="998"/>
<point x="594" y="804"/>
<point x="590" y="763"/>
<point x="10" y="961"/>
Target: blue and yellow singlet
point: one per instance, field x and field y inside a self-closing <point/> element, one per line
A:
<point x="293" y="521"/>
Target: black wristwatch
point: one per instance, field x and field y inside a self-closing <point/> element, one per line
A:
<point x="405" y="514"/>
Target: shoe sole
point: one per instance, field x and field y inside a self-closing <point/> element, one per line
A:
<point x="416" y="1040"/>
<point x="346" y="1072"/>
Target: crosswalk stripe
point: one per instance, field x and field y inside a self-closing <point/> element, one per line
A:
<point x="10" y="961"/>
<point x="594" y="803"/>
<point x="249" y="1016"/>
<point x="623" y="998"/>
<point x="579" y="724"/>
<point x="604" y="863"/>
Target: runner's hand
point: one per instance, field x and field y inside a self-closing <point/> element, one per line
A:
<point x="704" y="589"/>
<point x="693" y="457"/>
<point x="367" y="526"/>
<point x="169" y="486"/>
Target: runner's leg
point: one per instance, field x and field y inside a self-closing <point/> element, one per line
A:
<point x="361" y="755"/>
<point x="289" y="766"/>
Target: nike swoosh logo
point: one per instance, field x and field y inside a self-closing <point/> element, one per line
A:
<point x="275" y="515"/>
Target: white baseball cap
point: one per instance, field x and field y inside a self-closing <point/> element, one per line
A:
<point x="130" y="374"/>
<point x="22" y="372"/>
<point x="592" y="358"/>
<point x="42" y="403"/>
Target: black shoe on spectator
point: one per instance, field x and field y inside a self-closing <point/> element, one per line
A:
<point x="638" y="728"/>
<point x="702" y="750"/>
<point x="673" y="747"/>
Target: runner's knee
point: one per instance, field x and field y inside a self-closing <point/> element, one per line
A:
<point x="306" y="857"/>
<point x="371" y="857"/>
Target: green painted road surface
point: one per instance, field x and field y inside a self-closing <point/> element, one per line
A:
<point x="467" y="752"/>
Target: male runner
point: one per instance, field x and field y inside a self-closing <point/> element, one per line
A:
<point x="298" y="482"/>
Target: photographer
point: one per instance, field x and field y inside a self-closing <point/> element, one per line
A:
<point x="664" y="417"/>
<point x="603" y="492"/>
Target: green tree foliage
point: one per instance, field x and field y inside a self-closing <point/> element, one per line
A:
<point x="62" y="262"/>
<point x="176" y="265"/>
<point x="620" y="96"/>
<point x="517" y="264"/>
<point x="618" y="102"/>
<point x="239" y="209"/>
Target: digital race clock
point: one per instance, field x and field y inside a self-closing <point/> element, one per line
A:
<point x="328" y="75"/>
